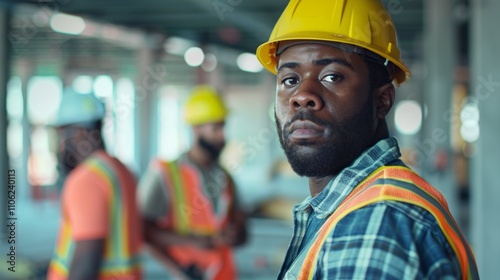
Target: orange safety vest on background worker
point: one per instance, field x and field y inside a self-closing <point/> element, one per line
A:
<point x="396" y="183"/>
<point x="121" y="258"/>
<point x="191" y="212"/>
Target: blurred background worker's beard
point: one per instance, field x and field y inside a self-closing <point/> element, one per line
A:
<point x="69" y="157"/>
<point x="212" y="149"/>
<point x="343" y="142"/>
<point x="76" y="145"/>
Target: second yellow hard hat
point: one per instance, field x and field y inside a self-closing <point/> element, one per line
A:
<point x="204" y="106"/>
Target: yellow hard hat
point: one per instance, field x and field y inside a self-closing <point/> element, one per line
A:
<point x="204" y="106"/>
<point x="363" y="23"/>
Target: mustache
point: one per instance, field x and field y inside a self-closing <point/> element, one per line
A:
<point x="305" y="115"/>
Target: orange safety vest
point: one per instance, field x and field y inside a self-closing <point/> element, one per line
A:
<point x="118" y="260"/>
<point x="395" y="183"/>
<point x="191" y="212"/>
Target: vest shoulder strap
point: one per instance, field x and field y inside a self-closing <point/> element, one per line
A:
<point x="175" y="184"/>
<point x="117" y="246"/>
<point x="190" y="209"/>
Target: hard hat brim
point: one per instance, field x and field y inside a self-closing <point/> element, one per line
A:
<point x="266" y="53"/>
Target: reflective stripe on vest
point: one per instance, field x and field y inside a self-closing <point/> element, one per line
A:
<point x="173" y="179"/>
<point x="117" y="259"/>
<point x="395" y="183"/>
<point x="191" y="210"/>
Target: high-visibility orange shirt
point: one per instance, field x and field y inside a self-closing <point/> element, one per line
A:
<point x="87" y="202"/>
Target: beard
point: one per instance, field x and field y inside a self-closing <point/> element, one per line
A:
<point x="64" y="168"/>
<point x="70" y="156"/>
<point x="345" y="142"/>
<point x="76" y="144"/>
<point x="212" y="149"/>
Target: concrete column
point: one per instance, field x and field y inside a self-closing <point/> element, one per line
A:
<point x="25" y="69"/>
<point x="485" y="88"/>
<point x="115" y="98"/>
<point x="440" y="54"/>
<point x="4" y="76"/>
<point x="150" y="78"/>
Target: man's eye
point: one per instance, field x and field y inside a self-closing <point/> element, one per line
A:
<point x="332" y="78"/>
<point x="290" y="81"/>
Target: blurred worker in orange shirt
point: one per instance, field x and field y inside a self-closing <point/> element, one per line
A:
<point x="100" y="232"/>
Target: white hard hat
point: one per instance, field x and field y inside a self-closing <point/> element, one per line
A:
<point x="76" y="108"/>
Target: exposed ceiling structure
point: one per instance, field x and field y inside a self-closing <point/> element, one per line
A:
<point x="237" y="24"/>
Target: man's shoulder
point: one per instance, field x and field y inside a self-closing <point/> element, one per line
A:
<point x="393" y="211"/>
<point x="115" y="165"/>
<point x="82" y="171"/>
<point x="392" y="222"/>
<point x="80" y="180"/>
<point x="405" y="232"/>
<point x="162" y="163"/>
<point x="87" y="171"/>
<point x="402" y="190"/>
<point x="396" y="195"/>
<point x="397" y="177"/>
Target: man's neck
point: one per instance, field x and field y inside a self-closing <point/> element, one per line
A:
<point x="318" y="184"/>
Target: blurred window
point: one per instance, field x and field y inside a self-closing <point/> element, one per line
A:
<point x="103" y="86"/>
<point x="124" y="107"/>
<point x="173" y="132"/>
<point x="15" y="116"/>
<point x="83" y="84"/>
<point x="408" y="117"/>
<point x="44" y="96"/>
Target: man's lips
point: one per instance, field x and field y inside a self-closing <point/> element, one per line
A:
<point x="305" y="129"/>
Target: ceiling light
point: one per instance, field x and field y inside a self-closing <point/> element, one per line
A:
<point x="83" y="84"/>
<point x="194" y="56"/>
<point x="248" y="62"/>
<point x="103" y="86"/>
<point x="67" y="24"/>
<point x="210" y="62"/>
<point x="177" y="45"/>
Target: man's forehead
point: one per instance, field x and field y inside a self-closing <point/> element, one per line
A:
<point x="212" y="124"/>
<point x="284" y="45"/>
<point x="349" y="52"/>
<point x="314" y="52"/>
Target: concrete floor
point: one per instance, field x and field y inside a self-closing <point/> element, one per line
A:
<point x="36" y="231"/>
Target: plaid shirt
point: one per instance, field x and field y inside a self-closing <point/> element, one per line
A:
<point x="384" y="240"/>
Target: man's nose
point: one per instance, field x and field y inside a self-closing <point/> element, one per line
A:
<point x="307" y="95"/>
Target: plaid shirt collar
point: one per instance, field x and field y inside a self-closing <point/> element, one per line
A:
<point x="382" y="153"/>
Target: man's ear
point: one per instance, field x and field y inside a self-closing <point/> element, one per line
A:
<point x="384" y="98"/>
